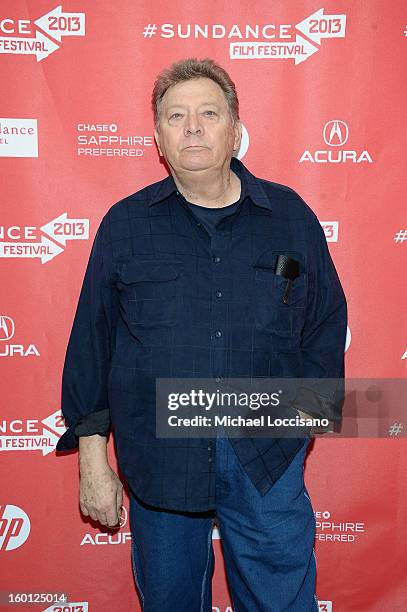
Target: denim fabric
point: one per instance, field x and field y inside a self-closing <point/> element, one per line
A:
<point x="267" y="541"/>
<point x="161" y="297"/>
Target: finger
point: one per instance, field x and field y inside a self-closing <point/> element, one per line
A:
<point x="103" y="518"/>
<point x="84" y="510"/>
<point x="112" y="518"/>
<point x="119" y="502"/>
<point x="93" y="515"/>
<point x="119" y="496"/>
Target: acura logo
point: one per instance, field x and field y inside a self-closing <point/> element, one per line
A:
<point x="336" y="133"/>
<point x="6" y="328"/>
<point x="123" y="517"/>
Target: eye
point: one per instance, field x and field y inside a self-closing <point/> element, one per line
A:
<point x="210" y="112"/>
<point x="175" y="115"/>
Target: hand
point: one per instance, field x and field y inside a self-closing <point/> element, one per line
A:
<point x="101" y="494"/>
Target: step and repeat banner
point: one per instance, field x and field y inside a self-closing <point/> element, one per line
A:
<point x="322" y="92"/>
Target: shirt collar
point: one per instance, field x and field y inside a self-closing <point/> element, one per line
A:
<point x="250" y="186"/>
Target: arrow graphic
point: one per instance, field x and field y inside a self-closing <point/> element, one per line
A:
<point x="327" y="26"/>
<point x="72" y="606"/>
<point x="45" y="442"/>
<point x="40" y="46"/>
<point x="51" y="422"/>
<point x="45" y="250"/>
<point x="75" y="229"/>
<point x="56" y="23"/>
<point x="298" y="50"/>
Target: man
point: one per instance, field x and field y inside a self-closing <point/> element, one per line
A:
<point x="181" y="282"/>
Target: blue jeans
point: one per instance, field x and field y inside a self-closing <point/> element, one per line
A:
<point x="268" y="545"/>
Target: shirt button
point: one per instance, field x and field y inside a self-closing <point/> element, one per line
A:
<point x="219" y="294"/>
<point x="218" y="378"/>
<point x="218" y="333"/>
<point x="209" y="447"/>
<point x="216" y="259"/>
<point x="209" y="459"/>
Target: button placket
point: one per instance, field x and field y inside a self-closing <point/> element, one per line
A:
<point x="210" y="458"/>
<point x="220" y="248"/>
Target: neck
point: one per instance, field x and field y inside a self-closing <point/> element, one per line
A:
<point x="213" y="188"/>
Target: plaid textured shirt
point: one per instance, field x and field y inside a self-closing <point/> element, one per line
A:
<point x="161" y="297"/>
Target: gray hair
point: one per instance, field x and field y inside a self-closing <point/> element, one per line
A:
<point x="192" y="68"/>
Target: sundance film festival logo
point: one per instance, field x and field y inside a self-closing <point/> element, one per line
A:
<point x="25" y="242"/>
<point x="260" y="41"/>
<point x="31" y="434"/>
<point x="18" y="137"/>
<point x="41" y="37"/>
<point x="14" y="527"/>
<point x="335" y="135"/>
<point x="13" y="349"/>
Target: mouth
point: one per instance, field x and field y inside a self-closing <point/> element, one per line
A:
<point x="195" y="147"/>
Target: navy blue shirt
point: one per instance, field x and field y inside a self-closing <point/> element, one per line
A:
<point x="209" y="218"/>
<point x="162" y="297"/>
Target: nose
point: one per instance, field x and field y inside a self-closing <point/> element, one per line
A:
<point x="192" y="125"/>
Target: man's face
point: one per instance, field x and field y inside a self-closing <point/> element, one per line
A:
<point x="195" y="129"/>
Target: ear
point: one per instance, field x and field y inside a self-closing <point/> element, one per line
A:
<point x="238" y="135"/>
<point x="157" y="139"/>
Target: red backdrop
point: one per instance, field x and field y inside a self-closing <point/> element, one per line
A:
<point x="322" y="95"/>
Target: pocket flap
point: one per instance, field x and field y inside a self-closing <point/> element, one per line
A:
<point x="136" y="271"/>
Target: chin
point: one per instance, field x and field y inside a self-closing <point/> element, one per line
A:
<point x="195" y="163"/>
<point x="195" y="166"/>
<point x="186" y="161"/>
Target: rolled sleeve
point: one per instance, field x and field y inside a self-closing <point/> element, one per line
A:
<point x="94" y="423"/>
<point x="84" y="395"/>
<point x="324" y="333"/>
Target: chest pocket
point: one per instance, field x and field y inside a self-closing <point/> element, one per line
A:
<point x="151" y="292"/>
<point x="272" y="314"/>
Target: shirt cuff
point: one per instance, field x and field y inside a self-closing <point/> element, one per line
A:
<point x="88" y="425"/>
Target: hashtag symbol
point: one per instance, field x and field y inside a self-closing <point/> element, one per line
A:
<point x="149" y="30"/>
<point x="395" y="429"/>
<point x="401" y="236"/>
